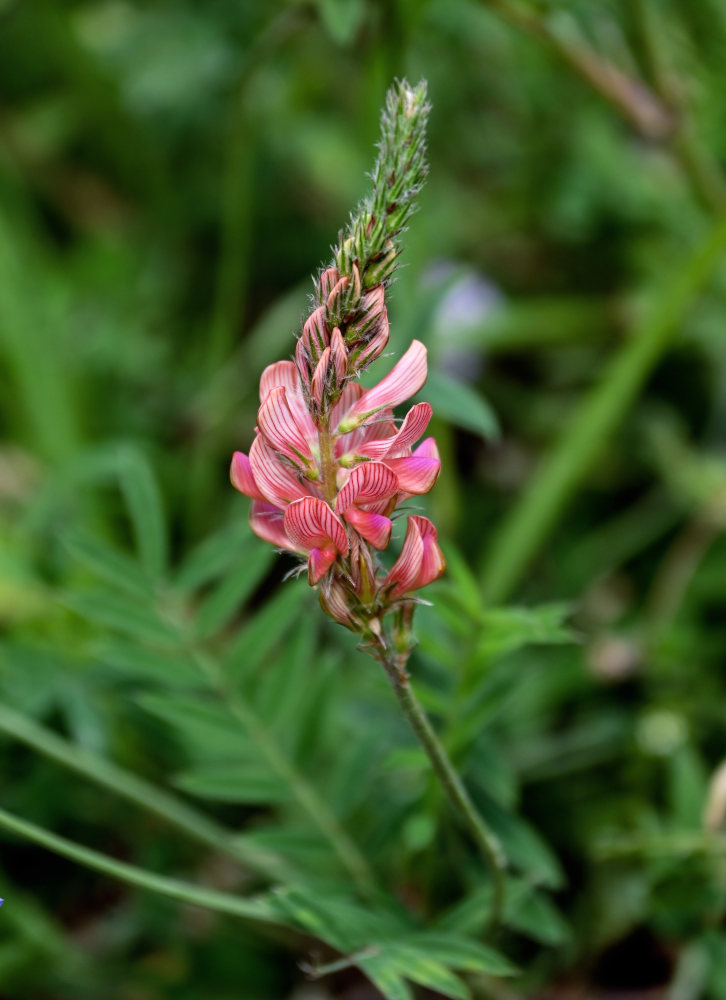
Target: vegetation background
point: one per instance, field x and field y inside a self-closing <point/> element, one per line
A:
<point x="170" y="176"/>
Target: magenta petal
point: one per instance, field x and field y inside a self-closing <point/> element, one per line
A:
<point x="311" y="524"/>
<point x="320" y="562"/>
<point x="416" y="473"/>
<point x="375" y="528"/>
<point x="367" y="483"/>
<point x="242" y="477"/>
<point x="414" y="425"/>
<point x="267" y="523"/>
<point x="404" y="571"/>
<point x="280" y="428"/>
<point x="404" y="380"/>
<point x="277" y="482"/>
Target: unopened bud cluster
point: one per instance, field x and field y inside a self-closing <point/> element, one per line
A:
<point x="330" y="464"/>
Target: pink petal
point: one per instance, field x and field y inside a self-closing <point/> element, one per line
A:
<point x="339" y="356"/>
<point x="421" y="560"/>
<point x="416" y="473"/>
<point x="267" y="523"/>
<point x="415" y="423"/>
<point x="280" y="373"/>
<point x="311" y="524"/>
<point x="404" y="380"/>
<point x="404" y="571"/>
<point x="277" y="483"/>
<point x="328" y="279"/>
<point x="375" y="528"/>
<point x="315" y="337"/>
<point x="427" y="449"/>
<point x="242" y="478"/>
<point x="321" y="373"/>
<point x="280" y="428"/>
<point x="367" y="483"/>
<point x="320" y="562"/>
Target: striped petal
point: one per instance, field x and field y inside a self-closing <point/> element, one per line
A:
<point x="404" y="380"/>
<point x="414" y="425"/>
<point x="285" y="373"/>
<point x="267" y="522"/>
<point x="242" y="477"/>
<point x="339" y="356"/>
<point x="280" y="428"/>
<point x="317" y="384"/>
<point x="375" y="528"/>
<point x="367" y="483"/>
<point x="277" y="483"/>
<point x="421" y="560"/>
<point x="311" y="524"/>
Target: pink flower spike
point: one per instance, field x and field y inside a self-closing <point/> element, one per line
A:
<point x="280" y="428"/>
<point x="375" y="528"/>
<point x="367" y="483"/>
<point x="404" y="380"/>
<point x="277" y="483"/>
<point x="421" y="560"/>
<point x="267" y="523"/>
<point x="328" y="279"/>
<point x="313" y="527"/>
<point x="414" y="425"/>
<point x="242" y="477"/>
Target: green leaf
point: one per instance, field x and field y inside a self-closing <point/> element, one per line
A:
<point x="418" y="966"/>
<point x="143" y="500"/>
<point x="140" y="663"/>
<point x="386" y="977"/>
<point x="461" y="405"/>
<point x="206" y="724"/>
<point x="462" y="953"/>
<point x="111" y="565"/>
<point x="122" y="614"/>
<point x="214" y="556"/>
<point x="342" y="18"/>
<point x="532" y="913"/>
<point x="230" y="594"/>
<point x="233" y="782"/>
<point x="266" y="628"/>
<point x="504" y="630"/>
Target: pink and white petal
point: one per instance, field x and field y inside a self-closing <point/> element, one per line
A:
<point x="433" y="563"/>
<point x="375" y="528"/>
<point x="414" y="425"/>
<point x="280" y="428"/>
<point x="279" y="373"/>
<point x="242" y="477"/>
<point x="311" y="524"/>
<point x="404" y="572"/>
<point x="320" y="562"/>
<point x="416" y="473"/>
<point x="404" y="380"/>
<point x="277" y="483"/>
<point x="321" y="372"/>
<point x="367" y="483"/>
<point x="267" y="522"/>
<point x="339" y="355"/>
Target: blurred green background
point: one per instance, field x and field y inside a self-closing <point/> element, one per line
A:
<point x="171" y="175"/>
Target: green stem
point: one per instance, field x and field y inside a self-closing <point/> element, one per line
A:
<point x="149" y="797"/>
<point x="564" y="469"/>
<point x="485" y="839"/>
<point x="254" y="909"/>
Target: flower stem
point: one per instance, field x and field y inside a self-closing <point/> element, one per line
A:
<point x="487" y="842"/>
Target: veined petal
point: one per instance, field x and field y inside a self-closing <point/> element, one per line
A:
<point x="421" y="560"/>
<point x="339" y="355"/>
<point x="277" y="483"/>
<point x="311" y="524"/>
<point x="279" y="373"/>
<point x="242" y="477"/>
<point x="319" y="563"/>
<point x="415" y="423"/>
<point x="416" y="473"/>
<point x="321" y="373"/>
<point x="280" y="428"/>
<point x="267" y="522"/>
<point x="367" y="483"/>
<point x="375" y="528"/>
<point x="404" y="380"/>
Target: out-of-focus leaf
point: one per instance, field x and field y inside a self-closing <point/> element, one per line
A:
<point x="140" y="663"/>
<point x="505" y="629"/>
<point x="110" y="564"/>
<point x="205" y="723"/>
<point x="143" y="499"/>
<point x="233" y="782"/>
<point x="230" y="594"/>
<point x="461" y="405"/>
<point x="384" y="974"/>
<point x="342" y="18"/>
<point x="123" y="614"/>
<point x="213" y="556"/>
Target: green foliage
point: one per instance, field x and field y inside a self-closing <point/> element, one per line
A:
<point x="179" y="725"/>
